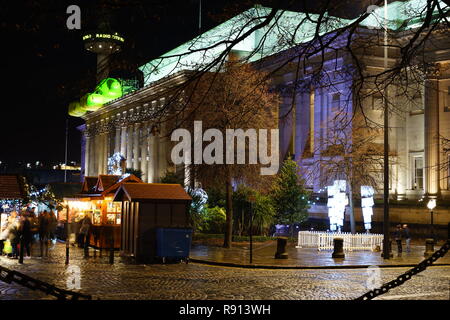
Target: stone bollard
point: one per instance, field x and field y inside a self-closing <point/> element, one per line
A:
<point x="86" y="247"/>
<point x="338" y="248"/>
<point x="281" y="248"/>
<point x="391" y="255"/>
<point x="429" y="248"/>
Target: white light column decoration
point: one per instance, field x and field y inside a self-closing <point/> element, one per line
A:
<point x="337" y="201"/>
<point x="367" y="203"/>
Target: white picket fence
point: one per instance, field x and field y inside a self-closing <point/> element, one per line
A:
<point x="324" y="240"/>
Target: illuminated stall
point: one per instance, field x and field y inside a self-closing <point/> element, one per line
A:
<point x="12" y="195"/>
<point x="96" y="201"/>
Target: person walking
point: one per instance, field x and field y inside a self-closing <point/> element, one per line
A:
<point x="398" y="238"/>
<point x="26" y="235"/>
<point x="34" y="223"/>
<point x="407" y="236"/>
<point x="85" y="231"/>
<point x="3" y="235"/>
<point x="77" y="226"/>
<point x="53" y="223"/>
<point x="44" y="232"/>
<point x="13" y="234"/>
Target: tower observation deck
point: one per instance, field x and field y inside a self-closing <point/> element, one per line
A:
<point x="104" y="43"/>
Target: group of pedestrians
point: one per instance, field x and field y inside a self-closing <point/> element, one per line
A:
<point x="22" y="230"/>
<point x="402" y="232"/>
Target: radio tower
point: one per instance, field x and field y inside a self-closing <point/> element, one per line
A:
<point x="104" y="42"/>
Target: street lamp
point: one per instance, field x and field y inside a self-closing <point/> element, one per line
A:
<point x="252" y="200"/>
<point x="431" y="205"/>
<point x="386" y="242"/>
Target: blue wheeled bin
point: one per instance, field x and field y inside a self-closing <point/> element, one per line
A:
<point x="173" y="244"/>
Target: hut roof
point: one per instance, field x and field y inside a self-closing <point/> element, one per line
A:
<point x="113" y="188"/>
<point x="105" y="181"/>
<point x="151" y="191"/>
<point x="89" y="184"/>
<point x="12" y="187"/>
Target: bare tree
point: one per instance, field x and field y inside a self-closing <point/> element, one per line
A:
<point x="236" y="98"/>
<point x="353" y="155"/>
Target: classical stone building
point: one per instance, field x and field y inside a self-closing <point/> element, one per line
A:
<point x="125" y="126"/>
<point x="419" y="158"/>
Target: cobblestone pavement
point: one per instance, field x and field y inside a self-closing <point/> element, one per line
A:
<point x="263" y="254"/>
<point x="196" y="281"/>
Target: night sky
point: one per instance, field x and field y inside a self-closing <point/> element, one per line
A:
<point x="44" y="65"/>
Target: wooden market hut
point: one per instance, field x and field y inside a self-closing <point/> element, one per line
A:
<point x="96" y="198"/>
<point x="12" y="187"/>
<point x="146" y="207"/>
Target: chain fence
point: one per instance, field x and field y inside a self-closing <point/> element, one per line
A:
<point x="10" y="276"/>
<point x="407" y="275"/>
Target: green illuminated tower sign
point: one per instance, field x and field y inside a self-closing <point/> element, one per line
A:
<point x="107" y="90"/>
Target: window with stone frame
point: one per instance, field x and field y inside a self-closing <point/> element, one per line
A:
<point x="417" y="173"/>
<point x="416" y="103"/>
<point x="335" y="103"/>
<point x="447" y="100"/>
<point x="377" y="102"/>
<point x="448" y="171"/>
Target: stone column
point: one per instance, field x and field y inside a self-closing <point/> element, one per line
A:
<point x="91" y="155"/>
<point x="123" y="138"/>
<point x="129" y="146"/>
<point x="95" y="151"/>
<point x="302" y="119"/>
<point x="100" y="148"/>
<point x="86" y="153"/>
<point x="101" y="152"/>
<point x="162" y="152"/>
<point x="136" y="146"/>
<point x="109" y="150"/>
<point x="320" y="116"/>
<point x="285" y="124"/>
<point x="144" y="150"/>
<point x="105" y="152"/>
<point x="117" y="136"/>
<point x="431" y="135"/>
<point x="152" y="165"/>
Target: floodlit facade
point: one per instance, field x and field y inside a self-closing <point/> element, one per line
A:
<point x="127" y="125"/>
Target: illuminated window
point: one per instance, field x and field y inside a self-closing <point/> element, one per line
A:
<point x="335" y="103"/>
<point x="377" y="102"/>
<point x="448" y="172"/>
<point x="417" y="181"/>
<point x="447" y="100"/>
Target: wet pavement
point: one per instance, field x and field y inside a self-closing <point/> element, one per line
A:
<point x="198" y="281"/>
<point x="263" y="255"/>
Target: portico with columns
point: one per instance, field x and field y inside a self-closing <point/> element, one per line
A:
<point x="128" y="126"/>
